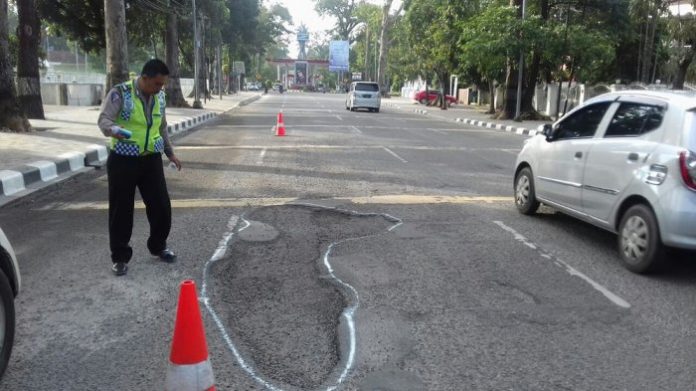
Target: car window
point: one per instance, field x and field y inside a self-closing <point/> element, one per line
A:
<point x="634" y="119"/>
<point x="582" y="123"/>
<point x="367" y="87"/>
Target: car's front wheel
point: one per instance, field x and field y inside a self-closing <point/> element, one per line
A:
<point x="525" y="196"/>
<point x="7" y="321"/>
<point x="639" y="240"/>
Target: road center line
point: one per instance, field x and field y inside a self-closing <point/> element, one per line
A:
<point x="395" y="155"/>
<point x="571" y="270"/>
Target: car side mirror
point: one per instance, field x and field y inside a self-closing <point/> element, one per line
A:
<point x="547" y="130"/>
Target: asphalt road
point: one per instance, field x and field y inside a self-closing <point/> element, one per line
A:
<point x="363" y="251"/>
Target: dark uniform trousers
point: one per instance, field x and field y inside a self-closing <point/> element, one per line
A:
<point x="125" y="173"/>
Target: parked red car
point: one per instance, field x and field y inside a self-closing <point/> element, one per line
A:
<point x="432" y="97"/>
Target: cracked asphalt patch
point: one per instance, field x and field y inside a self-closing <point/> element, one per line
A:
<point x="273" y="293"/>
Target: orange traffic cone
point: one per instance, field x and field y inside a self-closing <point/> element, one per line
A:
<point x="280" y="128"/>
<point x="189" y="365"/>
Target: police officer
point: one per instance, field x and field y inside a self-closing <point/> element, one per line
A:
<point x="133" y="116"/>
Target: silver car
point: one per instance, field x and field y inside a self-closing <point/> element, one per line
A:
<point x="363" y="95"/>
<point x="624" y="161"/>
<point x="9" y="288"/>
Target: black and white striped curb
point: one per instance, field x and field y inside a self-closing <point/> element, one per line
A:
<point x="18" y="179"/>
<point x="189" y="122"/>
<point x="492" y="125"/>
<point x="484" y="124"/>
<point x="15" y="180"/>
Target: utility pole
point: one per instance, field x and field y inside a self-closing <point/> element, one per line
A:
<point x="196" y="45"/>
<point x="219" y="69"/>
<point x="116" y="41"/>
<point x="518" y="107"/>
<point x="367" y="51"/>
<point x="204" y="61"/>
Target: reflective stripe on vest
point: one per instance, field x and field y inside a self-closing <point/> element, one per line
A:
<point x="146" y="136"/>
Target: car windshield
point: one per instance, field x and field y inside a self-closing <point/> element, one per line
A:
<point x="366" y="87"/>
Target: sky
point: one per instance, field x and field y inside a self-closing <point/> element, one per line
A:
<point x="302" y="11"/>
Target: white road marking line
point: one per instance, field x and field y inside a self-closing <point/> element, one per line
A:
<point x="261" y="155"/>
<point x="346" y="147"/>
<point x="356" y="130"/>
<point x="339" y="117"/>
<point x="395" y="155"/>
<point x="571" y="270"/>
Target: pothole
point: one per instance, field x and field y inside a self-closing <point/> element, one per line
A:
<point x="286" y="316"/>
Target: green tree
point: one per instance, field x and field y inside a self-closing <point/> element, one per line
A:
<point x="344" y="12"/>
<point x="682" y="29"/>
<point x="28" y="82"/>
<point x="385" y="41"/>
<point x="485" y="45"/>
<point x="11" y="117"/>
<point x="79" y="20"/>
<point x="435" y="29"/>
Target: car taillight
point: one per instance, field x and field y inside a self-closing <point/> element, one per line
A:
<point x="687" y="166"/>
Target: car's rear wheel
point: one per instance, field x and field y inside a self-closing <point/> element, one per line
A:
<point x="376" y="110"/>
<point x="525" y="196"/>
<point x="423" y="101"/>
<point x="7" y="321"/>
<point x="639" y="240"/>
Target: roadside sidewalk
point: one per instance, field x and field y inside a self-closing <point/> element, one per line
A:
<point x="68" y="141"/>
<point x="471" y="115"/>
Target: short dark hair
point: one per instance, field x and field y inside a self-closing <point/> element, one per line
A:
<point x="155" y="67"/>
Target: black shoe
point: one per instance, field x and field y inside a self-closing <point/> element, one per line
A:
<point x="120" y="268"/>
<point x="166" y="255"/>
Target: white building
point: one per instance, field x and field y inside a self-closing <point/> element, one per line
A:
<point x="680" y="7"/>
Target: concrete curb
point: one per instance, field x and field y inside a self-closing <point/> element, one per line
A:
<point x="493" y="125"/>
<point x="15" y="180"/>
<point x="483" y="124"/>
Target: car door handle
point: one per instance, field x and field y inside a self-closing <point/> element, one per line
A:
<point x="578" y="155"/>
<point x="633" y="157"/>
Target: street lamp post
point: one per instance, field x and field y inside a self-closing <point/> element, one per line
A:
<point x="518" y="106"/>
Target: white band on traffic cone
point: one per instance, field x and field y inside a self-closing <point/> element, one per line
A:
<point x="195" y="377"/>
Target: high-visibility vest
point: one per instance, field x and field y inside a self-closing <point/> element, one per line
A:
<point x="145" y="131"/>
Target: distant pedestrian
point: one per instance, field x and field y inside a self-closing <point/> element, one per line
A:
<point x="132" y="114"/>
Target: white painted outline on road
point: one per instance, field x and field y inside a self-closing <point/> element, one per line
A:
<point x="356" y="130"/>
<point x="389" y="151"/>
<point x="339" y="117"/>
<point x="571" y="270"/>
<point x="219" y="253"/>
<point x="348" y="313"/>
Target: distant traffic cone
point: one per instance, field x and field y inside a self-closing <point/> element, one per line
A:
<point x="280" y="128"/>
<point x="189" y="365"/>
